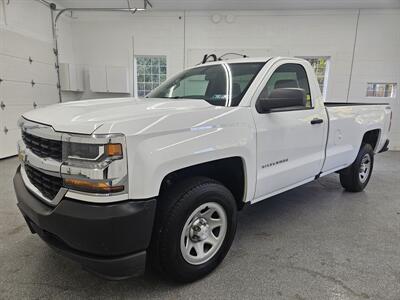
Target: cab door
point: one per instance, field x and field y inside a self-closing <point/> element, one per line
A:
<point x="290" y="140"/>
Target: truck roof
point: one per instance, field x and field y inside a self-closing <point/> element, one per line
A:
<point x="239" y="60"/>
<point x="247" y="60"/>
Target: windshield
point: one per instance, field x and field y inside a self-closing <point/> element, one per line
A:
<point x="222" y="84"/>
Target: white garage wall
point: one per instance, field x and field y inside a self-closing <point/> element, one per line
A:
<point x="283" y="33"/>
<point x="114" y="38"/>
<point x="377" y="59"/>
<point x="106" y="39"/>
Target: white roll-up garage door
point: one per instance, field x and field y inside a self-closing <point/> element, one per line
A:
<point x="28" y="80"/>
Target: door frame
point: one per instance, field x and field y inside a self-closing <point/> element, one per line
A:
<point x="316" y="101"/>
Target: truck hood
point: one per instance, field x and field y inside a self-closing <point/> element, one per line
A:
<point x="121" y="115"/>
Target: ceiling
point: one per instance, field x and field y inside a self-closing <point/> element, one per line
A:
<point x="236" y="4"/>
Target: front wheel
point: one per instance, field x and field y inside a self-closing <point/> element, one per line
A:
<point x="356" y="177"/>
<point x="196" y="224"/>
<point x="203" y="233"/>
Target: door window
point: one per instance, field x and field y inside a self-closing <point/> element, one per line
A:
<point x="288" y="76"/>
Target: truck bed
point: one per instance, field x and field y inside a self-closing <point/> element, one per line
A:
<point x="347" y="124"/>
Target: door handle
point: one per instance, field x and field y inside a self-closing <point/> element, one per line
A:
<point x="316" y="121"/>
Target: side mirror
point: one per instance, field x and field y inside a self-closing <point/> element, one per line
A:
<point x="281" y="98"/>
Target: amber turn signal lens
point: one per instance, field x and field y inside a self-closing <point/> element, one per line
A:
<point x="101" y="187"/>
<point x="113" y="150"/>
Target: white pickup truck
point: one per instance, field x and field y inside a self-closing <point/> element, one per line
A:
<point x="116" y="183"/>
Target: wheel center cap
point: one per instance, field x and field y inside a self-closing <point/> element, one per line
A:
<point x="200" y="230"/>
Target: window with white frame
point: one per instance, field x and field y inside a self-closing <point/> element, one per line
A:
<point x="384" y="90"/>
<point x="151" y="71"/>
<point x="321" y="68"/>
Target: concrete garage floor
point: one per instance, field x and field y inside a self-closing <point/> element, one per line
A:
<point x="314" y="242"/>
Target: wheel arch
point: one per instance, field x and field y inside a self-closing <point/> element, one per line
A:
<point x="230" y="171"/>
<point x="371" y="137"/>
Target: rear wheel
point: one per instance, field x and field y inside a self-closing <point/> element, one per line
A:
<point x="356" y="177"/>
<point x="196" y="224"/>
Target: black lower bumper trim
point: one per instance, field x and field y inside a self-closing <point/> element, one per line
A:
<point x="107" y="239"/>
<point x="113" y="268"/>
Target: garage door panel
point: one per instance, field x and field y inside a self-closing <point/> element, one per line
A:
<point x="43" y="105"/>
<point x="23" y="60"/>
<point x="2" y="42"/>
<point x="45" y="94"/>
<point x="2" y="67"/>
<point x="24" y="47"/>
<point x="16" y="69"/>
<point x="9" y="140"/>
<point x="42" y="52"/>
<point x="16" y="44"/>
<point x="43" y="73"/>
<point x="21" y="46"/>
<point x="10" y="115"/>
<point x="16" y="93"/>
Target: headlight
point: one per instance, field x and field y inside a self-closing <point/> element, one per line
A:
<point x="95" y="164"/>
<point x="91" y="152"/>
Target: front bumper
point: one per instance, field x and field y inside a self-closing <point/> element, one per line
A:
<point x="107" y="239"/>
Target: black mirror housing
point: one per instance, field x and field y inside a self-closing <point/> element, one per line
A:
<point x="282" y="98"/>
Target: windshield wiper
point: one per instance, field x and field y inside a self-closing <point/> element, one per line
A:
<point x="175" y="97"/>
<point x="182" y="97"/>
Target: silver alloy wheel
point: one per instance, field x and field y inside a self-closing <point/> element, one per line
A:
<point x="203" y="233"/>
<point x="365" y="168"/>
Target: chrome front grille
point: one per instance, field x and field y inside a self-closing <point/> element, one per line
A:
<point x="48" y="185"/>
<point x="42" y="147"/>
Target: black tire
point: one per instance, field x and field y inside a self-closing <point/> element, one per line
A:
<point x="350" y="177"/>
<point x="174" y="208"/>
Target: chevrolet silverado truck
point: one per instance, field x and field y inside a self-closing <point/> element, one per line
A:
<point x="119" y="185"/>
